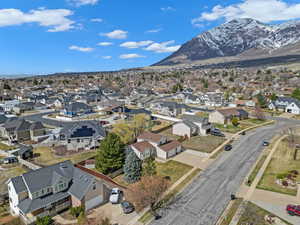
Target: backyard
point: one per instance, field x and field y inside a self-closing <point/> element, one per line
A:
<point x="45" y="156"/>
<point x="282" y="167"/>
<point x="172" y="169"/>
<point x="168" y="133"/>
<point x="5" y="147"/>
<point x="205" y="144"/>
<point x="8" y="172"/>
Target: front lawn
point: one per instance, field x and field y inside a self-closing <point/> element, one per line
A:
<point x="205" y="144"/>
<point x="172" y="169"/>
<point x="229" y="128"/>
<point x="45" y="157"/>
<point x="255" y="215"/>
<point x="282" y="163"/>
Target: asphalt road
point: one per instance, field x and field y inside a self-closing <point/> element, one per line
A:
<point x="204" y="200"/>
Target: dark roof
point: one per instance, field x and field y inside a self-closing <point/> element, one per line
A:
<point x="18" y="184"/>
<point x="3" y="119"/>
<point x="137" y="111"/>
<point x="17" y="124"/>
<point x="37" y="126"/>
<point x="98" y="130"/>
<point x="77" y="107"/>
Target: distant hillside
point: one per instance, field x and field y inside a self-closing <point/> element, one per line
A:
<point x="240" y="39"/>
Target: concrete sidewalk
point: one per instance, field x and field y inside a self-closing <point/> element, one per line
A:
<point x="278" y="210"/>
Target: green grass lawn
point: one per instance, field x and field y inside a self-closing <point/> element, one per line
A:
<point x="229" y="128"/>
<point x="5" y="147"/>
<point x="47" y="157"/>
<point x="203" y="143"/>
<point x="256" y="169"/>
<point x="282" y="162"/>
<point x="255" y="215"/>
<point x="174" y="170"/>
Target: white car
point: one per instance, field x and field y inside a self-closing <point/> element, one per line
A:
<point x="115" y="196"/>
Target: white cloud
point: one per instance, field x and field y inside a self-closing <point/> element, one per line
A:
<point x="106" y="57"/>
<point x="80" y="49"/>
<point x="56" y="19"/>
<point x="83" y="2"/>
<point x="134" y="44"/>
<point x="131" y="56"/>
<point x="168" y="8"/>
<point x="163" y="47"/>
<point x="264" y="11"/>
<point x="105" y="43"/>
<point x="97" y="20"/>
<point x="116" y="34"/>
<point x="154" y="30"/>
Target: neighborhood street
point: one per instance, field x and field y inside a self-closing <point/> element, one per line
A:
<point x="204" y="200"/>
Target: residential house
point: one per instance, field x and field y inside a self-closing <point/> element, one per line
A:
<point x="168" y="108"/>
<point x="224" y="116"/>
<point x="285" y="104"/>
<point x="191" y="126"/>
<point x="81" y="135"/>
<point x="151" y="144"/>
<point x="9" y="105"/>
<point x="20" y="130"/>
<point x="192" y="99"/>
<point x="50" y="190"/>
<point x="76" y="109"/>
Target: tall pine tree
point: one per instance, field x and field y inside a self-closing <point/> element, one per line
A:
<point x="111" y="154"/>
<point x="132" y="168"/>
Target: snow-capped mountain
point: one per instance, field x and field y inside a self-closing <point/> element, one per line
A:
<point x="235" y="38"/>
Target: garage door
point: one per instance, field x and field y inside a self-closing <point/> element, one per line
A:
<point x="92" y="203"/>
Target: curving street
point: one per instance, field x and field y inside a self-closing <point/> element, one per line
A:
<point x="204" y="200"/>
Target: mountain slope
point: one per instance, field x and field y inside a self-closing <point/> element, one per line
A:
<point x="239" y="37"/>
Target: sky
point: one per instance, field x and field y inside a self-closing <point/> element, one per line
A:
<point x="48" y="36"/>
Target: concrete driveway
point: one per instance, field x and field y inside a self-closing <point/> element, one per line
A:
<point x="193" y="160"/>
<point x="115" y="213"/>
<point x="278" y="210"/>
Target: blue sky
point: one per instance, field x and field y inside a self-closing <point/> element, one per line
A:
<point x="46" y="36"/>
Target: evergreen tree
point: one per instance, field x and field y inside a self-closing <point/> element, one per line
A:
<point x="132" y="168"/>
<point x="110" y="156"/>
<point x="296" y="94"/>
<point x="149" y="167"/>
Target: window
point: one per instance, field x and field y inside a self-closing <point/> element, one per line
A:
<point x="94" y="185"/>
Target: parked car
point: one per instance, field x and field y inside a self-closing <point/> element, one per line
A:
<point x="103" y="122"/>
<point x="293" y="210"/>
<point x="228" y="147"/>
<point x="266" y="143"/>
<point x="115" y="196"/>
<point x="243" y="133"/>
<point x="216" y="132"/>
<point x="127" y="207"/>
<point x="10" y="160"/>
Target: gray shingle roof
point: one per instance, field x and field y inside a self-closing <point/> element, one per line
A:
<point x="18" y="184"/>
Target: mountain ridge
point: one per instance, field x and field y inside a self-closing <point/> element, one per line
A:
<point x="236" y="38"/>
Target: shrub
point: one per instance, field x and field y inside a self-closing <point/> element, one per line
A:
<point x="47" y="220"/>
<point x="285" y="183"/>
<point x="281" y="176"/>
<point x="295" y="172"/>
<point x="76" y="211"/>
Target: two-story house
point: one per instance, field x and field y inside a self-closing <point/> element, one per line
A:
<point x="50" y="190"/>
<point x="192" y="125"/>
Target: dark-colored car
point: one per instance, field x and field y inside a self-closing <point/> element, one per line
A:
<point x="266" y="143"/>
<point x="293" y="210"/>
<point x="243" y="133"/>
<point x="216" y="132"/>
<point x="228" y="147"/>
<point x="103" y="122"/>
<point x="127" y="207"/>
